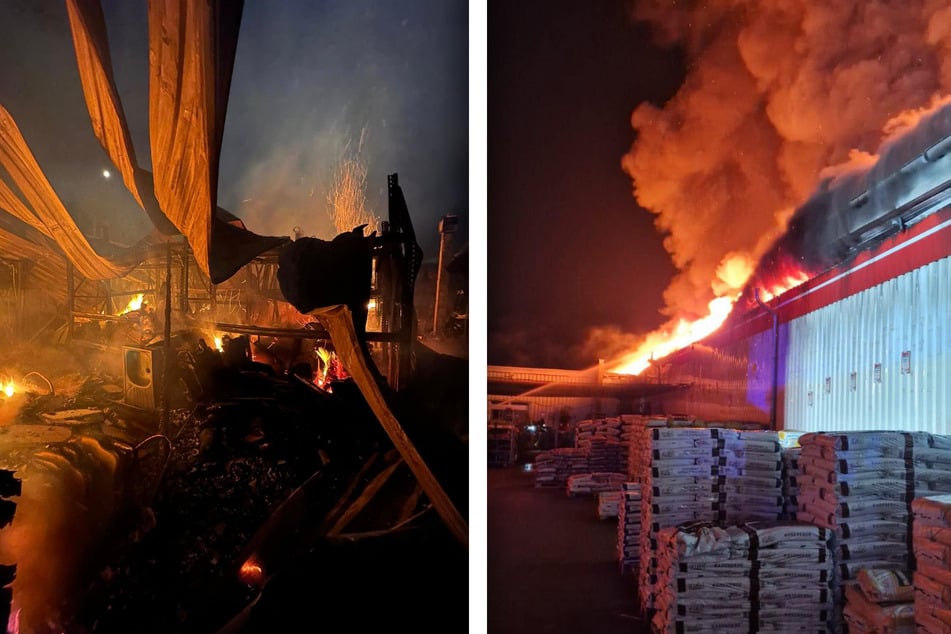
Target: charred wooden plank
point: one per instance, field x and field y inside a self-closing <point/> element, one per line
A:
<point x="339" y="323"/>
<point x="360" y="503"/>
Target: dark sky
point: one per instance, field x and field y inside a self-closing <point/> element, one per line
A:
<point x="568" y="247"/>
<point x="310" y="79"/>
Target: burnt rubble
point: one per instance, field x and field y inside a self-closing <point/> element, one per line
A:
<point x="211" y="494"/>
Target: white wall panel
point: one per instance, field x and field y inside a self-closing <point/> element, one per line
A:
<point x="909" y="314"/>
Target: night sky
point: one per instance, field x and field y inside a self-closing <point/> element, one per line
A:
<point x="310" y="80"/>
<point x="568" y="247"/>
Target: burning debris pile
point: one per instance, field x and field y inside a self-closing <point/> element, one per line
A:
<point x="262" y="479"/>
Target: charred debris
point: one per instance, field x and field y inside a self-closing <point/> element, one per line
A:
<point x="243" y="483"/>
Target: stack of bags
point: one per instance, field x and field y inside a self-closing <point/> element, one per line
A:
<point x="553" y="468"/>
<point x="860" y="484"/>
<point x="587" y="431"/>
<point x="705" y="474"/>
<point x="639" y="452"/>
<point x="588" y="483"/>
<point x="790" y="482"/>
<point x="932" y="464"/>
<point x="880" y="602"/>
<point x="745" y="578"/>
<point x="750" y="470"/>
<point x="607" y="456"/>
<point x="932" y="548"/>
<point x="629" y="527"/>
<point x="609" y="503"/>
<point x="678" y="488"/>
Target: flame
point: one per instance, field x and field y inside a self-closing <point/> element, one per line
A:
<point x="218" y="344"/>
<point x="8" y="389"/>
<point x="134" y="304"/>
<point x="682" y="333"/>
<point x="734" y="273"/>
<point x="252" y="573"/>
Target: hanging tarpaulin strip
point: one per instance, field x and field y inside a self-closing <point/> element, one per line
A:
<point x="191" y="55"/>
<point x="19" y="162"/>
<point x="11" y="203"/>
<point x="91" y="43"/>
<point x="338" y="321"/>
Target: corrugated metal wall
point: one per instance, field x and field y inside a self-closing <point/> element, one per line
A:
<point x="732" y="382"/>
<point x="880" y="359"/>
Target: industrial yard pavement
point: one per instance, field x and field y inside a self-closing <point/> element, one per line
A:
<point x="552" y="564"/>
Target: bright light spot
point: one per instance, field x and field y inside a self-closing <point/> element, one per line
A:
<point x="8" y="389"/>
<point x="218" y="345"/>
<point x="106" y="174"/>
<point x="371" y="304"/>
<point x="134" y="304"/>
<point x="251" y="572"/>
<point x="531" y="428"/>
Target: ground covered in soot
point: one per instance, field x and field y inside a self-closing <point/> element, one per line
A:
<point x="212" y="494"/>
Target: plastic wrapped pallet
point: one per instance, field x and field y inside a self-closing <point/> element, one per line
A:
<point x="932" y="543"/>
<point x="745" y="578"/>
<point x="629" y="527"/>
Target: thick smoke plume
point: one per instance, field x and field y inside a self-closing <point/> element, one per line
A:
<point x="776" y="92"/>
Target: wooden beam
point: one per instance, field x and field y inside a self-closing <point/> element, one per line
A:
<point x="339" y="323"/>
<point x="361" y="502"/>
<point x="337" y="511"/>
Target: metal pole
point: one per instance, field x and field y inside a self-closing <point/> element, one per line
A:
<point x="70" y="301"/>
<point x="442" y="248"/>
<point x="773" y="404"/>
<point x="167" y="343"/>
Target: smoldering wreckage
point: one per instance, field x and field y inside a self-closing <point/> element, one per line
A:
<point x="212" y="430"/>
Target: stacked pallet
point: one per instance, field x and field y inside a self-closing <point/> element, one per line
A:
<point x="629" y="527"/>
<point x="678" y="488"/>
<point x="860" y="484"/>
<point x="609" y="504"/>
<point x="880" y="601"/>
<point x="593" y="483"/>
<point x="932" y="548"/>
<point x="745" y="578"/>
<point x="553" y="468"/>
<point x="705" y="474"/>
<point x="790" y="482"/>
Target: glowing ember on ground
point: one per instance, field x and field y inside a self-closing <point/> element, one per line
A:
<point x="134" y="304"/>
<point x="251" y="572"/>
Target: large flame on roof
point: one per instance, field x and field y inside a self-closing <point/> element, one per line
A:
<point x="733" y="274"/>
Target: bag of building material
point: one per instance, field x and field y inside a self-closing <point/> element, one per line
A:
<point x="863" y="615"/>
<point x="933" y="510"/>
<point x="886" y="586"/>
